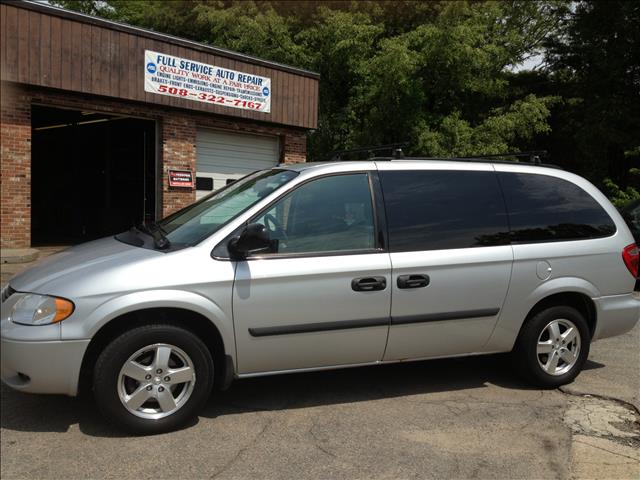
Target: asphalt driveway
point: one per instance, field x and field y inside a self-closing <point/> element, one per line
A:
<point x="458" y="418"/>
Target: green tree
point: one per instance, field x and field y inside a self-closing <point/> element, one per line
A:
<point x="594" y="66"/>
<point x="446" y="83"/>
<point x="340" y="45"/>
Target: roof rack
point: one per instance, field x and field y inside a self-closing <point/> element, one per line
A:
<point x="394" y="148"/>
<point x="533" y="158"/>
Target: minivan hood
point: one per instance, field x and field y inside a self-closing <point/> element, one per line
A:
<point x="49" y="275"/>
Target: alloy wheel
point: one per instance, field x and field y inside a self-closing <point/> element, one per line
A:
<point x="156" y="381"/>
<point x="558" y="347"/>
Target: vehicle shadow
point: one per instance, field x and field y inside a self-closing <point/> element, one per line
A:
<point x="591" y="365"/>
<point x="56" y="413"/>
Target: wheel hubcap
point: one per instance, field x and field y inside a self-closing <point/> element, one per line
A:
<point x="156" y="381"/>
<point x="558" y="347"/>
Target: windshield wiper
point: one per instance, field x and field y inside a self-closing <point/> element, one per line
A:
<point x="160" y="240"/>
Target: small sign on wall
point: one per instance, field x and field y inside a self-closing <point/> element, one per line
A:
<point x="181" y="178"/>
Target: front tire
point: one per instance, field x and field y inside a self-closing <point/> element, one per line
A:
<point x="553" y="346"/>
<point x="153" y="379"/>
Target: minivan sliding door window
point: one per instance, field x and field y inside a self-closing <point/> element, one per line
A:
<point x="442" y="209"/>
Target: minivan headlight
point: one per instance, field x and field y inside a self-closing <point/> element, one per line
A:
<point x="32" y="309"/>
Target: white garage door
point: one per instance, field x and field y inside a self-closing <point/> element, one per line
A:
<point x="222" y="156"/>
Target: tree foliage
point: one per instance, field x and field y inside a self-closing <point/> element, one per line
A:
<point x="594" y="66"/>
<point x="439" y="75"/>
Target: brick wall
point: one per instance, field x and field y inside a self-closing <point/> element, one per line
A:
<point x="178" y="152"/>
<point x="178" y="137"/>
<point x="295" y="148"/>
<point x="15" y="168"/>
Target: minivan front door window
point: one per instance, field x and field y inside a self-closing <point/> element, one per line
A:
<point x="329" y="214"/>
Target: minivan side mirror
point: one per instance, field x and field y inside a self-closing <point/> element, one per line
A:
<point x="253" y="239"/>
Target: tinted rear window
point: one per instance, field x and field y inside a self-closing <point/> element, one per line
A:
<point x="436" y="209"/>
<point x="543" y="208"/>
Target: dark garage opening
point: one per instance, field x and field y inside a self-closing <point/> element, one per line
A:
<point x="92" y="175"/>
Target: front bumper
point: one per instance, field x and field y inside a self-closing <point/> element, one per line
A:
<point x="42" y="367"/>
<point x="616" y="314"/>
<point x="35" y="359"/>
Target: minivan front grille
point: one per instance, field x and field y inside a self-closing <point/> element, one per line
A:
<point x="7" y="291"/>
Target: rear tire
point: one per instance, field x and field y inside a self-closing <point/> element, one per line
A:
<point x="153" y="379"/>
<point x="553" y="346"/>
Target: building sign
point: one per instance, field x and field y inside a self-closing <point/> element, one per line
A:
<point x="180" y="178"/>
<point x="179" y="77"/>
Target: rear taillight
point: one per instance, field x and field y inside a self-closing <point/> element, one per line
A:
<point x="631" y="257"/>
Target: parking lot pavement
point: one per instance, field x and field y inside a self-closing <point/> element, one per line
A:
<point x="606" y="432"/>
<point x="458" y="418"/>
<point x="615" y="365"/>
<point x="455" y="418"/>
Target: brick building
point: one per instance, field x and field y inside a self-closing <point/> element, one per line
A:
<point x="104" y="125"/>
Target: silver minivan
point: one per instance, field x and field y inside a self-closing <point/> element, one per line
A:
<point x="317" y="266"/>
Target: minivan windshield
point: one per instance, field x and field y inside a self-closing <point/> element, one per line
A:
<point x="203" y="218"/>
